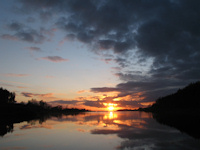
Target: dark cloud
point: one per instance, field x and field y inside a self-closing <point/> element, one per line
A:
<point x="97" y="103"/>
<point x="64" y="102"/>
<point x="54" y="58"/>
<point x="15" y="26"/>
<point x="134" y="76"/>
<point x="30" y="20"/>
<point x="45" y="16"/>
<point x="142" y="91"/>
<point x="36" y="49"/>
<point x="31" y="36"/>
<point x="106" y="44"/>
<point x="122" y="103"/>
<point x="122" y="62"/>
<point x="27" y="94"/>
<point x="104" y="89"/>
<point x="23" y="32"/>
<point x="129" y="104"/>
<point x="163" y="35"/>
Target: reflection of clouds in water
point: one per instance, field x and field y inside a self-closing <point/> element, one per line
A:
<point x="146" y="133"/>
<point x="81" y="130"/>
<point x="146" y="144"/>
<point x="29" y="126"/>
<point x="136" y="130"/>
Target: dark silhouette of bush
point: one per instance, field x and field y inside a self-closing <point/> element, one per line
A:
<point x="6" y="97"/>
<point x="186" y="98"/>
<point x="12" y="112"/>
<point x="180" y="110"/>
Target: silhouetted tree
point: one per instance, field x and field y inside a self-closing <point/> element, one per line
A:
<point x="6" y="97"/>
<point x="186" y="98"/>
<point x="44" y="105"/>
<point x="57" y="108"/>
<point x="33" y="102"/>
<point x="40" y="104"/>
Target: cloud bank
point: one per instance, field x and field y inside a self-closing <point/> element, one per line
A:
<point x="156" y="44"/>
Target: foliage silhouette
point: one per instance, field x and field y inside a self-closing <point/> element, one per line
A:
<point x="180" y="110"/>
<point x="184" y="99"/>
<point x="12" y="112"/>
<point x="6" y="97"/>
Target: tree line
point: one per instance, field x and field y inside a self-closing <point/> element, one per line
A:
<point x="12" y="112"/>
<point x="9" y="105"/>
<point x="6" y="97"/>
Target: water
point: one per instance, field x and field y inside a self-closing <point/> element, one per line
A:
<point x="97" y="131"/>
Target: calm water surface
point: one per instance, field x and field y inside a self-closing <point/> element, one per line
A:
<point x="97" y="131"/>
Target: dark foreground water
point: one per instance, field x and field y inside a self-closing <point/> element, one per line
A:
<point x="97" y="131"/>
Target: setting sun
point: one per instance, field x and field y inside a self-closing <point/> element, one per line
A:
<point x="110" y="106"/>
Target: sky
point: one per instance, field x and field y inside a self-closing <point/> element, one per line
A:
<point x="89" y="53"/>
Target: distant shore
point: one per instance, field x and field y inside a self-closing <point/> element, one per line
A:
<point x="16" y="113"/>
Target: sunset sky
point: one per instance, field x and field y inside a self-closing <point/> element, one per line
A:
<point x="89" y="53"/>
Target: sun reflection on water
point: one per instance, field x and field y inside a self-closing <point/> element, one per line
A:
<point x="110" y="115"/>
